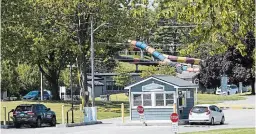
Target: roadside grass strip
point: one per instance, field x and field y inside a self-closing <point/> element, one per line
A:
<point x="226" y="131"/>
<point x="235" y="107"/>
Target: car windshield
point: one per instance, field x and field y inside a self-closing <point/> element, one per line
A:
<point x="199" y="109"/>
<point x="45" y="93"/>
<point x="33" y="93"/>
<point x="232" y="87"/>
<point x="23" y="108"/>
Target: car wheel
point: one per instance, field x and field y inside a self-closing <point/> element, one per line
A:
<point x="228" y="93"/>
<point x="236" y="92"/>
<point x="38" y="122"/>
<point x="17" y="125"/>
<point x="212" y="121"/>
<point x="53" y="121"/>
<point x="222" y="120"/>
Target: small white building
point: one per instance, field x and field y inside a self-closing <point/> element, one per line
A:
<point x="65" y="93"/>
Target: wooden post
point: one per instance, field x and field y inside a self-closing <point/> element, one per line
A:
<point x="63" y="121"/>
<point x="122" y="110"/>
<point x="4" y="115"/>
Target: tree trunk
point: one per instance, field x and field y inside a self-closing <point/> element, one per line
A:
<point x="55" y="90"/>
<point x="253" y="87"/>
<point x="83" y="79"/>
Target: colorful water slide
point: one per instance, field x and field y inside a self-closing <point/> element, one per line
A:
<point x="193" y="61"/>
<point x="165" y="59"/>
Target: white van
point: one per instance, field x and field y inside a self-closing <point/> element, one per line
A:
<point x="232" y="89"/>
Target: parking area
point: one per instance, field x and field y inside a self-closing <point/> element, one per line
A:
<point x="238" y="118"/>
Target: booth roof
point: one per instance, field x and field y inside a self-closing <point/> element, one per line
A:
<point x="172" y="80"/>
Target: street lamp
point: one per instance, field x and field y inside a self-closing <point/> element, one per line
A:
<point x="92" y="57"/>
<point x="71" y="88"/>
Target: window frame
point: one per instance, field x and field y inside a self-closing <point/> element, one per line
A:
<point x="153" y="99"/>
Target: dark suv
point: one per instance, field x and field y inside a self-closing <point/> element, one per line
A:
<point x="34" y="115"/>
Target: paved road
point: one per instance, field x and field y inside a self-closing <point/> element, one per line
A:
<point x="242" y="118"/>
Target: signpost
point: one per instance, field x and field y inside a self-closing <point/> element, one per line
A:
<point x="175" y="119"/>
<point x="140" y="110"/>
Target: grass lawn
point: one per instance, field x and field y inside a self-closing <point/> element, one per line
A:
<point x="105" y="109"/>
<point x="227" y="131"/>
<point x="212" y="98"/>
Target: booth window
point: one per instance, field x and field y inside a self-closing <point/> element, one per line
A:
<point x="137" y="101"/>
<point x="169" y="99"/>
<point x="147" y="100"/>
<point x="159" y="99"/>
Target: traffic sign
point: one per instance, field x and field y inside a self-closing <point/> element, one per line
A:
<point x="140" y="109"/>
<point x="174" y="117"/>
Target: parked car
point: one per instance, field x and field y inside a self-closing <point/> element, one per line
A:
<point x="33" y="114"/>
<point x="35" y="95"/>
<point x="206" y="113"/>
<point x="231" y="89"/>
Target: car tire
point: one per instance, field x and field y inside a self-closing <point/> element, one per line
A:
<point x="228" y="93"/>
<point x="236" y="92"/>
<point x="53" y="121"/>
<point x="38" y="122"/>
<point x="222" y="120"/>
<point x="17" y="125"/>
<point x="212" y="121"/>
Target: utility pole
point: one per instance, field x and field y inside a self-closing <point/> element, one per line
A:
<point x="92" y="62"/>
<point x="42" y="87"/>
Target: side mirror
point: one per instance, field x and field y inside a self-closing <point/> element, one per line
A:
<point x="12" y="110"/>
<point x="48" y="109"/>
<point x="220" y="110"/>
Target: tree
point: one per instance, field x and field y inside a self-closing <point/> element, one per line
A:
<point x="238" y="67"/>
<point x="9" y="77"/>
<point x="28" y="76"/>
<point x="161" y="69"/>
<point x="51" y="34"/>
<point x="220" y="23"/>
<point x="123" y="77"/>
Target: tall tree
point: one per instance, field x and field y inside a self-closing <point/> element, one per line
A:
<point x="236" y="66"/>
<point x="52" y="34"/>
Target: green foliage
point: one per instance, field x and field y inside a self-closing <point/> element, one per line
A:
<point x="29" y="76"/>
<point x="9" y="77"/>
<point x="65" y="77"/>
<point x="220" y="23"/>
<point x="161" y="69"/>
<point x="123" y="77"/>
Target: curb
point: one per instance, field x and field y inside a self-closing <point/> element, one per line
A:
<point x="151" y="123"/>
<point x="6" y="126"/>
<point x="78" y="124"/>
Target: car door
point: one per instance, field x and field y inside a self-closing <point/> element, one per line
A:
<point x="213" y="113"/>
<point x="47" y="113"/>
<point x="218" y="114"/>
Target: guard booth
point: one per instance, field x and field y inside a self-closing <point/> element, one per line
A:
<point x="157" y="95"/>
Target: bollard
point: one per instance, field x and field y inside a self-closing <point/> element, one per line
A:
<point x="62" y="114"/>
<point x="4" y="115"/>
<point x="122" y="110"/>
<point x="9" y="116"/>
<point x="67" y="117"/>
